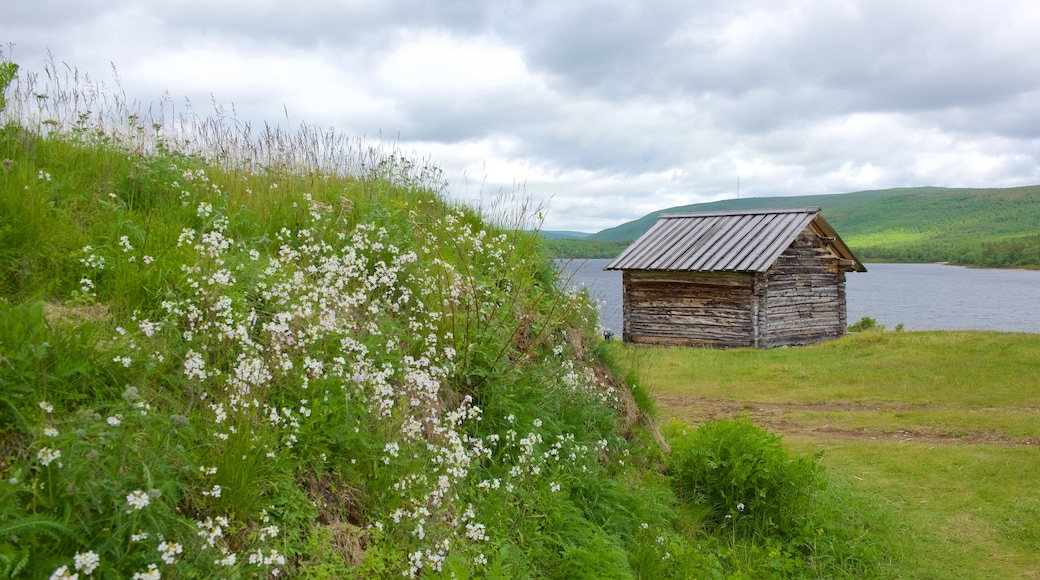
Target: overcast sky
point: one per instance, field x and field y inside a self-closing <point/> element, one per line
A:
<point x="601" y="110"/>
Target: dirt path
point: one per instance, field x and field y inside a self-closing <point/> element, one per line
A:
<point x="778" y="417"/>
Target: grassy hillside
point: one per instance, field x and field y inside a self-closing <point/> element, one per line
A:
<point x="217" y="367"/>
<point x="981" y="227"/>
<point x="230" y="355"/>
<point x="567" y="235"/>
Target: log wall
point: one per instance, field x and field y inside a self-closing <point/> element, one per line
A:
<point x="692" y="308"/>
<point x="804" y="295"/>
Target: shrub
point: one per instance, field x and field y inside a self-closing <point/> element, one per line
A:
<point x="864" y="324"/>
<point x="739" y="475"/>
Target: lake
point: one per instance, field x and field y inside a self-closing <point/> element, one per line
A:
<point x="920" y="296"/>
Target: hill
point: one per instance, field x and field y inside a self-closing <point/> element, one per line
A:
<point x="562" y="235"/>
<point x="229" y="361"/>
<point x="978" y="227"/>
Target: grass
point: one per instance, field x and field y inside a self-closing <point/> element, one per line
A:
<point x="968" y="370"/>
<point x="966" y="510"/>
<point x="941" y="428"/>
<point x="889" y="237"/>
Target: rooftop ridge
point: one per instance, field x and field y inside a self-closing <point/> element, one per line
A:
<point x="720" y="213"/>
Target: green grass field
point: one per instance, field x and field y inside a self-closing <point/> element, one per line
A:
<point x="941" y="428"/>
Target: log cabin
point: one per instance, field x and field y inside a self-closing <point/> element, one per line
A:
<point x="759" y="279"/>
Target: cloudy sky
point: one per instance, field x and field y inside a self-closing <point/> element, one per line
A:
<point x="600" y="110"/>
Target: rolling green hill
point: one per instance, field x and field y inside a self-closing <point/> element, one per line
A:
<point x="567" y="235"/>
<point x="978" y="227"/>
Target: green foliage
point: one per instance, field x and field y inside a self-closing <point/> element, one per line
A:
<point x="327" y="551"/>
<point x="8" y="72"/>
<point x="569" y="249"/>
<point x="742" y="478"/>
<point x="866" y="323"/>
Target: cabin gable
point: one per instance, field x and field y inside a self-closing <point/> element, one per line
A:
<point x="803" y="295"/>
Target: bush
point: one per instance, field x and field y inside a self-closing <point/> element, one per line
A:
<point x="866" y="323"/>
<point x="740" y="475"/>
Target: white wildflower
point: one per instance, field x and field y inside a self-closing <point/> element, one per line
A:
<point x="476" y="532"/>
<point x="137" y="499"/>
<point x="151" y="574"/>
<point x="148" y="327"/>
<point x="47" y="455"/>
<point x="229" y="559"/>
<point x="187" y="236"/>
<point x="215" y="492"/>
<point x="268" y="532"/>
<point x="87" y="562"/>
<point x="195" y="366"/>
<point x="169" y="551"/>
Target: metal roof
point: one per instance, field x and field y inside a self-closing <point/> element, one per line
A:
<point x="725" y="241"/>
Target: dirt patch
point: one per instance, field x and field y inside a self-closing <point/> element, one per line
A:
<point x="74" y="314"/>
<point x="778" y="417"/>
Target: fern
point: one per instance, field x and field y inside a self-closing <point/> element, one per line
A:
<point x="35" y="524"/>
<point x="12" y="564"/>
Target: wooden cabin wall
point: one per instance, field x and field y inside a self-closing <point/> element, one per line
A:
<point x="688" y="308"/>
<point x="804" y="295"/>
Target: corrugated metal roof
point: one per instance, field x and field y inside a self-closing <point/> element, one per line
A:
<point x="734" y="241"/>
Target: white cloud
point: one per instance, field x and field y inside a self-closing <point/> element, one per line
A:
<point x="604" y="111"/>
<point x="437" y="64"/>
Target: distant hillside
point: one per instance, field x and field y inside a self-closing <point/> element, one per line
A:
<point x="979" y="227"/>
<point x="563" y="235"/>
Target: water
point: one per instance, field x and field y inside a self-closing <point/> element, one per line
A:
<point x="920" y="296"/>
